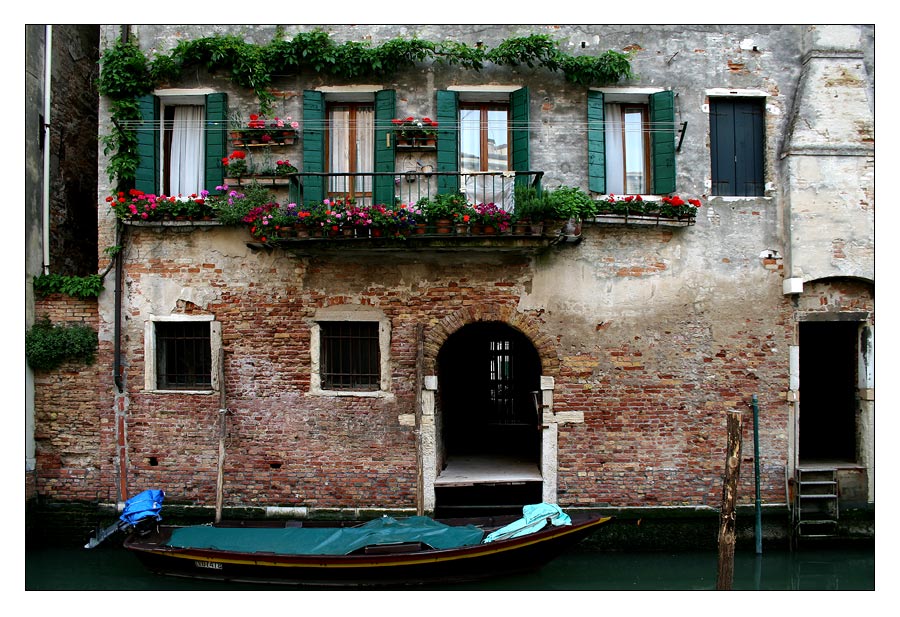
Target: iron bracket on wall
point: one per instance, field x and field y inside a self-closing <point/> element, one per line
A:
<point x="681" y="138"/>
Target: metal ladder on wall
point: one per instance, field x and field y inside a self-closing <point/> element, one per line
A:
<point x="816" y="509"/>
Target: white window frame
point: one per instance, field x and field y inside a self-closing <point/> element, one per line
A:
<point x="171" y="97"/>
<point x="344" y="314"/>
<point x="150" y="368"/>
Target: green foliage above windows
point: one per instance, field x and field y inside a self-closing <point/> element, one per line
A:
<point x="128" y="74"/>
<point x="48" y="345"/>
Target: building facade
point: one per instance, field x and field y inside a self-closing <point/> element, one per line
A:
<point x="590" y="368"/>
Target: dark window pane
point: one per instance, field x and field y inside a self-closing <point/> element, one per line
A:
<point x="350" y="357"/>
<point x="183" y="355"/>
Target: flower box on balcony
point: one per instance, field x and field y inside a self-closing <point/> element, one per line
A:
<point x="262" y="137"/>
<point x="263" y="180"/>
<point x="616" y="218"/>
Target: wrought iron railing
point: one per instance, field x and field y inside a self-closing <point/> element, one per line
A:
<point x="411" y="186"/>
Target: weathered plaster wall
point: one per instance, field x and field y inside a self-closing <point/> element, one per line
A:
<point x="829" y="154"/>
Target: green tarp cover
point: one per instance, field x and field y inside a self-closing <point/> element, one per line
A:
<point x="326" y="541"/>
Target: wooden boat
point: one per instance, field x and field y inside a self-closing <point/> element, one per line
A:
<point x="261" y="552"/>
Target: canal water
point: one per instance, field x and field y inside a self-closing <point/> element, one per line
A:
<point x="110" y="567"/>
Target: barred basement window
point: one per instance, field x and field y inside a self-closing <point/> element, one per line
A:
<point x="183" y="355"/>
<point x="350" y="357"/>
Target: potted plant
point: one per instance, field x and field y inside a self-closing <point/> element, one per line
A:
<point x="532" y="207"/>
<point x="568" y="204"/>
<point x="235" y="164"/>
<point x="493" y="219"/>
<point x="283" y="170"/>
<point x="444" y="209"/>
<point x="231" y="206"/>
<point x="284" y="130"/>
<point x="284" y="220"/>
<point x="414" y="131"/>
<point x="259" y="221"/>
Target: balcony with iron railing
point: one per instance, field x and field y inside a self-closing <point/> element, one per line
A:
<point x="407" y="189"/>
<point x="418" y="209"/>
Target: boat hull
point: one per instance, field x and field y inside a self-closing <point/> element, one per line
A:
<point x="406" y="567"/>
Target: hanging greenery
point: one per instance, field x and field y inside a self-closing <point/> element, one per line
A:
<point x="76" y="286"/>
<point x="48" y="345"/>
<point x="128" y="74"/>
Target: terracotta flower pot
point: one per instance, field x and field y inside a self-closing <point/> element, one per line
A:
<point x="443" y="226"/>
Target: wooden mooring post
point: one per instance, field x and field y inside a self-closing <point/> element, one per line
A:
<point x="725" y="575"/>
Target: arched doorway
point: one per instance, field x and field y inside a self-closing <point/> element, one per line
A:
<point x="489" y="387"/>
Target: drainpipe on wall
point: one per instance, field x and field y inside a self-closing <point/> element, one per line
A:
<point x="117" y="326"/>
<point x="48" y="53"/>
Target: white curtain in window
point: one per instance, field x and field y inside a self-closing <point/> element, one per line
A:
<point x="615" y="164"/>
<point x="339" y="147"/>
<point x="365" y="148"/>
<point x="186" y="174"/>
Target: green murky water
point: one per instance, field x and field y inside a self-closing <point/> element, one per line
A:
<point x="112" y="568"/>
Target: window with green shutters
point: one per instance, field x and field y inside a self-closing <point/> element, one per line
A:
<point x="315" y="146"/>
<point x="161" y="156"/>
<point x="460" y="149"/>
<point x="631" y="143"/>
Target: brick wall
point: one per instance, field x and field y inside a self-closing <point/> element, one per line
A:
<point x="653" y="384"/>
<point x="68" y="416"/>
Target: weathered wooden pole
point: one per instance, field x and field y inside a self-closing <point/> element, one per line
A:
<point x="223" y="411"/>
<point x="729" y="494"/>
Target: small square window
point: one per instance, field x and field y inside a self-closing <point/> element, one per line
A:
<point x="350" y="356"/>
<point x="183" y="355"/>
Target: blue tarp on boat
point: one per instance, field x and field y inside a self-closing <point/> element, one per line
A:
<point x="145" y="504"/>
<point x="326" y="541"/>
<point x="534" y="518"/>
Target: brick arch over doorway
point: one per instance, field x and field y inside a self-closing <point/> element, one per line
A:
<point x="527" y="325"/>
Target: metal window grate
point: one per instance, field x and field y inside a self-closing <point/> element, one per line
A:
<point x="350" y="356"/>
<point x="502" y="382"/>
<point x="183" y="355"/>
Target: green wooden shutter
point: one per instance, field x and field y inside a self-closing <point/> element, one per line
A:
<point x="146" y="176"/>
<point x="383" y="190"/>
<point x="596" y="142"/>
<point x="662" y="141"/>
<point x="448" y="141"/>
<point x="519" y="102"/>
<point x="216" y="127"/>
<point x="313" y="145"/>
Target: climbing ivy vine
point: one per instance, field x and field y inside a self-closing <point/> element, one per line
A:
<point x="127" y="73"/>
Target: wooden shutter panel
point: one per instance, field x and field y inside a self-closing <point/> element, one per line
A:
<point x="313" y="145"/>
<point x="519" y="103"/>
<point x="721" y="139"/>
<point x="383" y="189"/>
<point x="216" y="127"/>
<point x="748" y="144"/>
<point x="448" y="141"/>
<point x="146" y="176"/>
<point x="662" y="141"/>
<point x="596" y="142"/>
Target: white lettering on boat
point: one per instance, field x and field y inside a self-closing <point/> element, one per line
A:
<point x="212" y="565"/>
